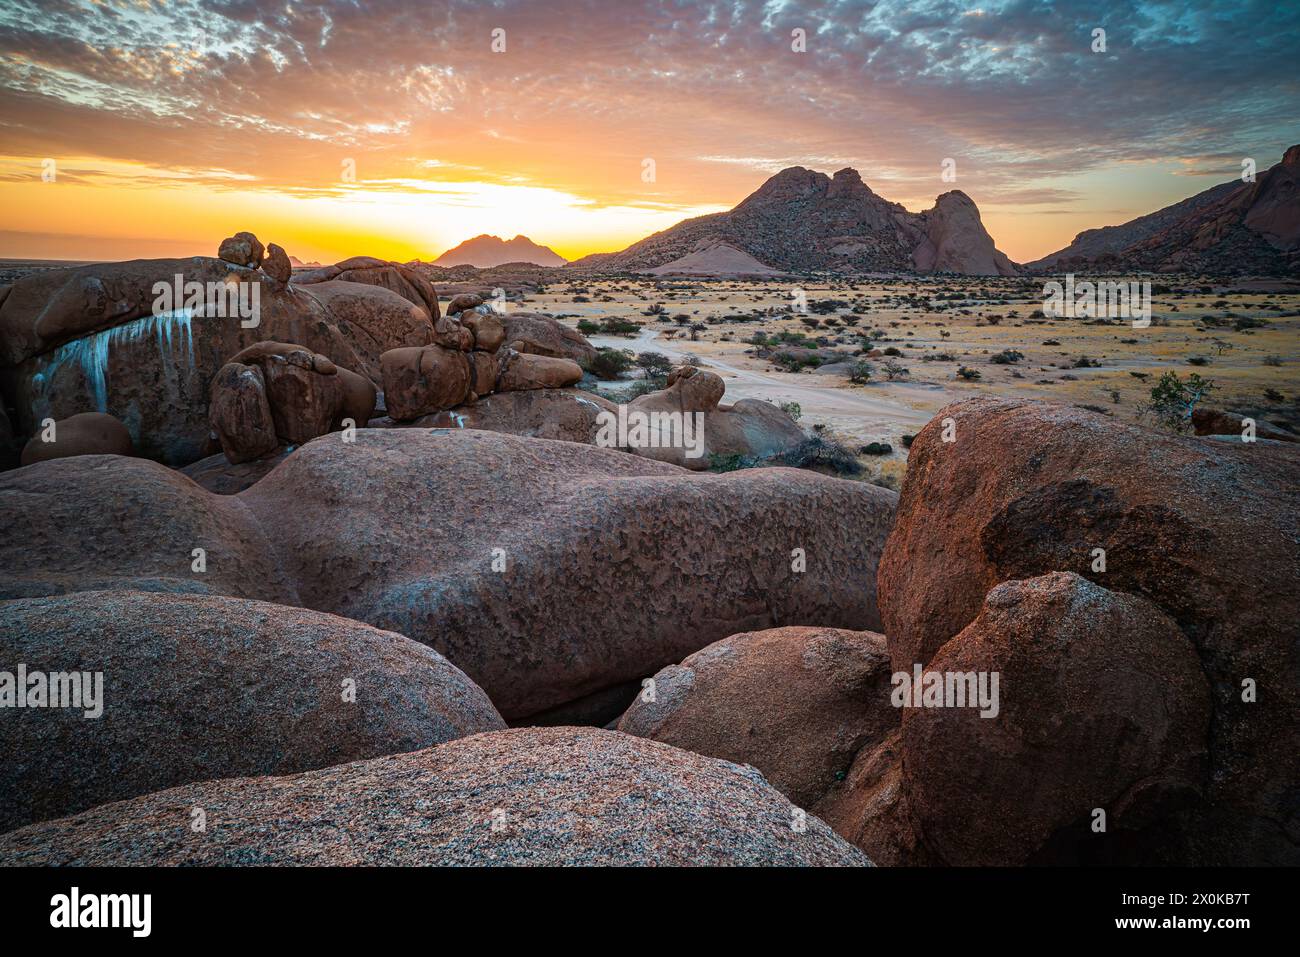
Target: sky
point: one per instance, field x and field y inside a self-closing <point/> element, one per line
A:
<point x="398" y="129"/>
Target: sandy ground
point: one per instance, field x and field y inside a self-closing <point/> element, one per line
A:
<point x="958" y="323"/>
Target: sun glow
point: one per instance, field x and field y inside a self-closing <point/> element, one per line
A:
<point x="155" y="211"/>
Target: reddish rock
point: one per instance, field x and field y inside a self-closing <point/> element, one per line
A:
<point x="1102" y="704"/>
<point x="305" y="394"/>
<point x="796" y="703"/>
<point x="1220" y="422"/>
<point x="240" y="413"/>
<point x="565" y="414"/>
<point x="242" y="249"/>
<point x="870" y="807"/>
<point x="277" y="264"/>
<point x="425" y="380"/>
<point x="541" y="335"/>
<point x="86" y="338"/>
<point x="198" y="687"/>
<point x="529" y="796"/>
<point x="296" y="395"/>
<point x="219" y="475"/>
<point x="488" y="331"/>
<point x="483" y="372"/>
<point x="613" y="566"/>
<point x="368" y="270"/>
<point x="88" y="433"/>
<point x="522" y="371"/>
<point x="1029" y="488"/>
<point x="466" y="300"/>
<point x="751" y="429"/>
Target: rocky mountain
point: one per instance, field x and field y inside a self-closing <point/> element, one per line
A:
<point x="1234" y="227"/>
<point x="802" y="220"/>
<point x="486" y="251"/>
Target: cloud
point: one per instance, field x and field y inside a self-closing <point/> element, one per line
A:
<point x="279" y="96"/>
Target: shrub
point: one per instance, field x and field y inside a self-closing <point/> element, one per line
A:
<point x="860" y="372"/>
<point x="1173" y="400"/>
<point x="968" y="374"/>
<point x="1007" y="356"/>
<point x="655" y="365"/>
<point x="894" y="369"/>
<point x="609" y="364"/>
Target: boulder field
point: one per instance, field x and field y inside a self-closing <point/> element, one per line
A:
<point x="94" y="339"/>
<point x="1146" y="698"/>
<point x="545" y="570"/>
<point x="751" y="429"/>
<point x="195" y="687"/>
<point x="530" y="796"/>
<point x="318" y="636"/>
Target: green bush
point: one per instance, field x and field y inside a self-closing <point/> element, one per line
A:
<point x="860" y="372"/>
<point x="609" y="364"/>
<point x="1173" y="400"/>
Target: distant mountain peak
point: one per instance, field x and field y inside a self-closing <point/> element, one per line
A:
<point x="803" y="220"/>
<point x="485" y="251"/>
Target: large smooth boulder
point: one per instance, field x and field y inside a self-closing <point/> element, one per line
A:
<point x="521" y="371"/>
<point x="541" y="335"/>
<point x="95" y="339"/>
<point x="545" y="570"/>
<point x="751" y="429"/>
<point x="489" y="332"/>
<point x="367" y="270"/>
<point x="1204" y="529"/>
<point x="88" y="433"/>
<point x="530" y="796"/>
<point x="198" y="687"/>
<point x="421" y="381"/>
<point x="1101" y="705"/>
<point x="797" y="703"/>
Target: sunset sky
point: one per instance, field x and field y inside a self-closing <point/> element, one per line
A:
<point x="172" y="125"/>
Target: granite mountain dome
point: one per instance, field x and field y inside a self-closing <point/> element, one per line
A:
<point x="487" y="251"/>
<point x="802" y="220"/>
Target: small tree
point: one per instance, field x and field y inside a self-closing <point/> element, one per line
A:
<point x="860" y="372"/>
<point x="893" y="369"/>
<point x="655" y="365"/>
<point x="1173" y="400"/>
<point x="610" y="363"/>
